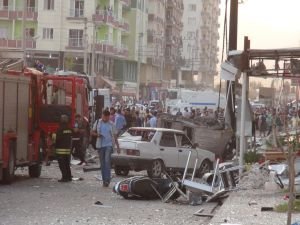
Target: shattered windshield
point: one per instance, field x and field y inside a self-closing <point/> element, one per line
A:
<point x="139" y="135"/>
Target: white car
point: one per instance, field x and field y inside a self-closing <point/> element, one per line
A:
<point x="157" y="150"/>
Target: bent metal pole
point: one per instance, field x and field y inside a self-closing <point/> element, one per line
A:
<point x="243" y="117"/>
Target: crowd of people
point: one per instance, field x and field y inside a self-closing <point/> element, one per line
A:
<point x="105" y="131"/>
<point x="265" y="118"/>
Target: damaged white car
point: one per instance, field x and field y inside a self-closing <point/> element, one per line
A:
<point x="158" y="150"/>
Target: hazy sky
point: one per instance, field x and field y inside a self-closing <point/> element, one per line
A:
<point x="268" y="23"/>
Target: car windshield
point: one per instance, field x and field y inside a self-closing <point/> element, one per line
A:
<point x="139" y="134"/>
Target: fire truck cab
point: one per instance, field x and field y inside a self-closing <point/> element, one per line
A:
<point x="63" y="93"/>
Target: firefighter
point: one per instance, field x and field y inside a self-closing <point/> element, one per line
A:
<point x="63" y="148"/>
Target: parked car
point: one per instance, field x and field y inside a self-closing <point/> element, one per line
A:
<point x="157" y="150"/>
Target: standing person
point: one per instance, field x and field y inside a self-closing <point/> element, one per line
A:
<point x="63" y="148"/>
<point x="78" y="145"/>
<point x="112" y="117"/>
<point x="153" y="120"/>
<point x="106" y="139"/>
<point x="128" y="118"/>
<point x="120" y="122"/>
<point x="186" y="113"/>
<point x="262" y="125"/>
<point x="138" y="121"/>
<point x="179" y="113"/>
<point x="147" y="118"/>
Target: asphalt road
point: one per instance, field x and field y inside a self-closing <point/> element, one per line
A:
<point x="45" y="201"/>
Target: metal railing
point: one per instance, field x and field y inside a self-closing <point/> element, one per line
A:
<point x="77" y="13"/>
<point x="11" y="8"/>
<point x="76" y="42"/>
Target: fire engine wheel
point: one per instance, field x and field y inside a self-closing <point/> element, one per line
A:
<point x="156" y="170"/>
<point x="121" y="171"/>
<point x="35" y="170"/>
<point x="205" y="167"/>
<point x="9" y="172"/>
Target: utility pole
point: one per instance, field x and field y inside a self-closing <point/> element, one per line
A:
<point x="85" y="45"/>
<point x="24" y="32"/>
<point x="93" y="50"/>
<point x="138" y="77"/>
<point x="233" y="26"/>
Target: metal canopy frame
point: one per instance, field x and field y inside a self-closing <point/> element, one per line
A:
<point x="274" y="56"/>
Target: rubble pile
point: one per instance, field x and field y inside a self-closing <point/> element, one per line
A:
<point x="209" y="122"/>
<point x="254" y="179"/>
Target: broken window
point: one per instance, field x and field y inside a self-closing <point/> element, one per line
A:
<point x="168" y="139"/>
<point x="146" y="135"/>
<point x="183" y="141"/>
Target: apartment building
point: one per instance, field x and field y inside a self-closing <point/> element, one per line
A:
<point x="61" y="32"/>
<point x="11" y="32"/>
<point x="200" y="36"/>
<point x="127" y="71"/>
<point x="152" y="71"/>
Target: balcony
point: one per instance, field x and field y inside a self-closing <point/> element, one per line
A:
<point x="8" y="13"/>
<point x="125" y="2"/>
<point x="16" y="44"/>
<point x="108" y="48"/>
<point x="75" y="44"/>
<point x="76" y="14"/>
<point x="106" y="17"/>
<point x="123" y="24"/>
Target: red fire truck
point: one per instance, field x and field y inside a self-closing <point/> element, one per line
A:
<point x="31" y="104"/>
<point x="63" y="93"/>
<point x="19" y="121"/>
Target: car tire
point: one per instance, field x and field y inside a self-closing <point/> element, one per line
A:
<point x="205" y="167"/>
<point x="157" y="168"/>
<point x="121" y="171"/>
<point x="9" y="172"/>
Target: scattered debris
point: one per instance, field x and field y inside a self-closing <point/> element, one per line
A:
<point x="252" y="203"/>
<point x="263" y="209"/>
<point x="90" y="169"/>
<point x="100" y="204"/>
<point x="254" y="179"/>
<point x="77" y="179"/>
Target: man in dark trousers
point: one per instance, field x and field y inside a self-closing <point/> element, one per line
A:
<point x="63" y="148"/>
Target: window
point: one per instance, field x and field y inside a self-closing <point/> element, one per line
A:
<point x="190" y="34"/>
<point x="192" y="7"/>
<point x="79" y="8"/>
<point x="192" y="20"/>
<point x="183" y="141"/>
<point x="75" y="38"/>
<point x="133" y="3"/>
<point x="48" y="33"/>
<point x="3" y="33"/>
<point x="140" y="134"/>
<point x="5" y="4"/>
<point x="29" y="32"/>
<point x="168" y="140"/>
<point x="49" y="4"/>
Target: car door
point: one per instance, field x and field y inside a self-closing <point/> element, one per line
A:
<point x="184" y="146"/>
<point x="168" y="149"/>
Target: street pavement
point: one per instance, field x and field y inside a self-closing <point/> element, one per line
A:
<point x="45" y="201"/>
<point x="244" y="208"/>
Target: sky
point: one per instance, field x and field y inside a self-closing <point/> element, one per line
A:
<point x="267" y="23"/>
